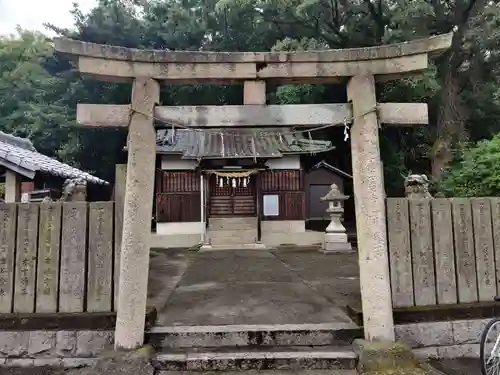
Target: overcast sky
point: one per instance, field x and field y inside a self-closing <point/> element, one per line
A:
<point x="32" y="14"/>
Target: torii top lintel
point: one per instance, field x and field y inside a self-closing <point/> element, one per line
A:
<point x="113" y="63"/>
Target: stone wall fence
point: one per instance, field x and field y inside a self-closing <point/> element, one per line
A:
<point x="444" y="261"/>
<point x="58" y="272"/>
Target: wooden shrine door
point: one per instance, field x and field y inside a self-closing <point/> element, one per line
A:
<point x="229" y="201"/>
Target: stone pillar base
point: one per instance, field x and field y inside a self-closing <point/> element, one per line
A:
<point x="377" y="358"/>
<point x="335" y="248"/>
<point x="336" y="243"/>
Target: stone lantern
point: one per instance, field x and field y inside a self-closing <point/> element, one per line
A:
<point x="335" y="236"/>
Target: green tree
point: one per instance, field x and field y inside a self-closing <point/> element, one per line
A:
<point x="31" y="103"/>
<point x="462" y="85"/>
<point x="475" y="172"/>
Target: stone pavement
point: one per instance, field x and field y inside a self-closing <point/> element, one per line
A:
<point x="464" y="366"/>
<point x="251" y="286"/>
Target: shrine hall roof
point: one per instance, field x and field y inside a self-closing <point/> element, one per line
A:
<point x="19" y="155"/>
<point x="241" y="143"/>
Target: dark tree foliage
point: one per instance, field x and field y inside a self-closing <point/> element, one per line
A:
<point x="39" y="90"/>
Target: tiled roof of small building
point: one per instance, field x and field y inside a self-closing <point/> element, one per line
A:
<point x="241" y="143"/>
<point x="20" y="155"/>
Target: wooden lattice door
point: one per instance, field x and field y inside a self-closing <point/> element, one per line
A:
<point x="227" y="200"/>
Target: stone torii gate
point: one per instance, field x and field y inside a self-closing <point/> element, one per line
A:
<point x="359" y="67"/>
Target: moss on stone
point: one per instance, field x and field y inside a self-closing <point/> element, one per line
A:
<point x="121" y="362"/>
<point x="397" y="371"/>
<point x="383" y="356"/>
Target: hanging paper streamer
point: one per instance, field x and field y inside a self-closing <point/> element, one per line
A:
<point x="233" y="178"/>
<point x="346" y="130"/>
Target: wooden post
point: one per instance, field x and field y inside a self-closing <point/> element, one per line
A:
<point x="134" y="257"/>
<point x="370" y="211"/>
<point x="254" y="93"/>
<point x="12" y="186"/>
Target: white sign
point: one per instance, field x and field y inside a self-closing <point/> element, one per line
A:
<point x="271" y="205"/>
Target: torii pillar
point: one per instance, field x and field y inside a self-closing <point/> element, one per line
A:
<point x="369" y="200"/>
<point x="136" y="238"/>
<point x="360" y="66"/>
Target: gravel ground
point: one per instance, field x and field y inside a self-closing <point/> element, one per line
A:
<point x="449" y="367"/>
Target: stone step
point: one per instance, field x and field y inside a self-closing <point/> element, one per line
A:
<point x="268" y="372"/>
<point x="228" y="227"/>
<point x="275" y="335"/>
<point x="250" y="358"/>
<point x="233" y="223"/>
<point x="236" y="240"/>
<point x="232" y="237"/>
<point x="232" y="233"/>
<point x="247" y="246"/>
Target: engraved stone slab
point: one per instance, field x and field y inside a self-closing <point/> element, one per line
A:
<point x="100" y="262"/>
<point x="422" y="251"/>
<point x="66" y="343"/>
<point x="485" y="257"/>
<point x="93" y="343"/>
<point x="425" y="334"/>
<point x="495" y="218"/>
<point x="444" y="251"/>
<point x="42" y="344"/>
<point x="8" y="214"/>
<point x="73" y="251"/>
<point x="48" y="257"/>
<point x="398" y="221"/>
<point x="464" y="250"/>
<point x="26" y="253"/>
<point x="14" y="343"/>
<point x="468" y="331"/>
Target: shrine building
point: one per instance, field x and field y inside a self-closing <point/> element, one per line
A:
<point x="234" y="187"/>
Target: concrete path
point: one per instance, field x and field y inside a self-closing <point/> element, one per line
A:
<point x="251" y="287"/>
<point x="458" y="366"/>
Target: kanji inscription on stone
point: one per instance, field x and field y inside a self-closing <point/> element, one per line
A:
<point x="7" y="251"/>
<point x="73" y="253"/>
<point x="100" y="260"/>
<point x="48" y="257"/>
<point x="464" y="250"/>
<point x="26" y="258"/>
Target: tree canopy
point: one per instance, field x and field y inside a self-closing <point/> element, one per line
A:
<point x="39" y="90"/>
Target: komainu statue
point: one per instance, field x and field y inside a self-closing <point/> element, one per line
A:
<point x="74" y="190"/>
<point x="417" y="186"/>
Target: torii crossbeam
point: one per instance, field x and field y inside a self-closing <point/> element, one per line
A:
<point x="359" y="67"/>
<point x="303" y="115"/>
